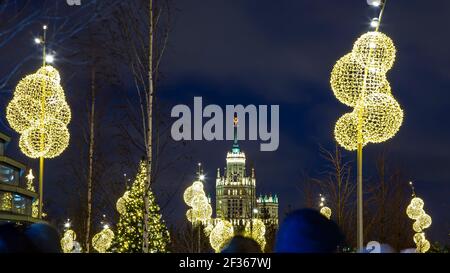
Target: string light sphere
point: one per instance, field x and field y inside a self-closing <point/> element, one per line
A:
<point x="423" y="246"/>
<point x="375" y="50"/>
<point x="424" y="221"/>
<point x="256" y="229"/>
<point x="221" y="234"/>
<point x="346" y="131"/>
<point x="102" y="240"/>
<point x="39" y="112"/>
<point x="191" y="192"/>
<point x="382" y="117"/>
<point x="48" y="141"/>
<point x="326" y="211"/>
<point x="347" y="81"/>
<point x="68" y="241"/>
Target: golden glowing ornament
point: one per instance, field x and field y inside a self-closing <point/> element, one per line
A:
<point x="39" y="112"/>
<point x="422" y="221"/>
<point x="347" y="81"/>
<point x="256" y="229"/>
<point x="102" y="240"/>
<point x="382" y="117"/>
<point x="423" y="246"/>
<point x="221" y="234"/>
<point x="346" y="131"/>
<point x="121" y="203"/>
<point x="326" y="211"/>
<point x="375" y="50"/>
<point x="68" y="241"/>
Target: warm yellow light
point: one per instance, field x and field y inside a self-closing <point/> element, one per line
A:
<point x="422" y="221"/>
<point x="221" y="234"/>
<point x="39" y="112"/>
<point x="347" y="81"/>
<point x="375" y="50"/>
<point x="102" y="240"/>
<point x="346" y="132"/>
<point x="358" y="80"/>
<point x="326" y="211"/>
<point x="382" y="117"/>
<point x="121" y="203"/>
<point x="256" y="229"/>
<point x="67" y="241"/>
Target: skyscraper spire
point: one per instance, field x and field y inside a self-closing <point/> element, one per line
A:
<point x="235" y="148"/>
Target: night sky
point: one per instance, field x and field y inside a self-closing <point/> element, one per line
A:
<point x="282" y="52"/>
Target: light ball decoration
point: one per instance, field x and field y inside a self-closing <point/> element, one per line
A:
<point x="256" y="229"/>
<point x="192" y="191"/>
<point x="346" y="131"/>
<point x="358" y="80"/>
<point x="422" y="221"/>
<point x="382" y="117"/>
<point x="221" y="234"/>
<point x="376" y="51"/>
<point x="102" y="240"/>
<point x="39" y="112"/>
<point x="121" y="203"/>
<point x="348" y="80"/>
<point x="68" y="241"/>
<point x="326" y="211"/>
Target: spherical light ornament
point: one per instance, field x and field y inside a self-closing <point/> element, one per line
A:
<point x="375" y="51"/>
<point x="221" y="234"/>
<point x="190" y="215"/>
<point x="256" y="229"/>
<point x="419" y="237"/>
<point x="382" y="117"/>
<point x="326" y="211"/>
<point x="424" y="221"/>
<point x="121" y="205"/>
<point x="417" y="227"/>
<point x="68" y="240"/>
<point x="199" y="201"/>
<point x="346" y="132"/>
<point x="40" y="113"/>
<point x="417" y="202"/>
<point x="349" y="79"/>
<point x="191" y="192"/>
<point x="414" y="212"/>
<point x="423" y="246"/>
<point x="197" y="186"/>
<point x="102" y="240"/>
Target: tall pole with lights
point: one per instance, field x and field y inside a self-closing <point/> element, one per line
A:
<point x="359" y="80"/>
<point x="39" y="112"/>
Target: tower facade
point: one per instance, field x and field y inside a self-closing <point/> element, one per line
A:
<point x="236" y="190"/>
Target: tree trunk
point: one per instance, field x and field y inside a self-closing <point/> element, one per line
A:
<point x="149" y="139"/>
<point x="91" y="161"/>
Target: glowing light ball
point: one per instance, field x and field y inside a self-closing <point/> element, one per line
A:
<point x="191" y="192"/>
<point x="102" y="240"/>
<point x="346" y="131"/>
<point x="39" y="112"/>
<point x="68" y="241"/>
<point x="326" y="211"/>
<point x="347" y="81"/>
<point x="221" y="234"/>
<point x="256" y="229"/>
<point x="382" y="117"/>
<point x="376" y="51"/>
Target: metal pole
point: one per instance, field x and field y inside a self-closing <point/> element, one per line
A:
<point x="360" y="219"/>
<point x="41" y="185"/>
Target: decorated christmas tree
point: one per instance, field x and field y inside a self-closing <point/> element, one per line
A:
<point x="131" y="226"/>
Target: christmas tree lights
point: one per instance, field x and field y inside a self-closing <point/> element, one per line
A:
<point x="129" y="237"/>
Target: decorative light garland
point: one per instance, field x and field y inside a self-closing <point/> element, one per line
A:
<point x="358" y="80"/>
<point x="222" y="232"/>
<point x="324" y="210"/>
<point x="423" y="221"/>
<point x="256" y="229"/>
<point x="102" y="241"/>
<point x="39" y="112"/>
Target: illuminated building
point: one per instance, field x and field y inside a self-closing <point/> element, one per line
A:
<point x="16" y="198"/>
<point x="236" y="199"/>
